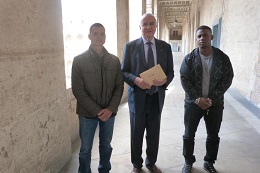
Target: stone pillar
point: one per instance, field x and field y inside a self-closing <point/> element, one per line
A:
<point x="155" y="13"/>
<point x="122" y="9"/>
<point x="34" y="128"/>
<point x="123" y="25"/>
<point x="161" y="25"/>
<point x="143" y="6"/>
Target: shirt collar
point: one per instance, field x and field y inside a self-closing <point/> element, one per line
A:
<point x="145" y="41"/>
<point x="95" y="53"/>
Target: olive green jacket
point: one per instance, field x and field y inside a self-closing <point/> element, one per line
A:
<point x="97" y="83"/>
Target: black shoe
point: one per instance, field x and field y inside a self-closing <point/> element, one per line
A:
<point x="186" y="168"/>
<point x="207" y="166"/>
<point x="136" y="170"/>
<point x="154" y="169"/>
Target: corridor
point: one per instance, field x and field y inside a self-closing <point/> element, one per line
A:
<point x="239" y="136"/>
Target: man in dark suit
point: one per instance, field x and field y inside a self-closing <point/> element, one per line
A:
<point x="146" y="101"/>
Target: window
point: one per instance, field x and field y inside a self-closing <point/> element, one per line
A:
<point x="78" y="16"/>
<point x="216" y="29"/>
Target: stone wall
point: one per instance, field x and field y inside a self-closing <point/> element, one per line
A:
<point x="34" y="125"/>
<point x="73" y="117"/>
<point x="240" y="40"/>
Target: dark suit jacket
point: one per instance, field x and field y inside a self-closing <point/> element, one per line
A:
<point x="134" y="63"/>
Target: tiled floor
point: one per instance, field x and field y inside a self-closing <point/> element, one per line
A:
<point x="240" y="136"/>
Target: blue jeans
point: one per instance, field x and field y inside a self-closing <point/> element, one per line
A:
<point x="87" y="129"/>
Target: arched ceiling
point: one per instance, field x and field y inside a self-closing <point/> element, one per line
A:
<point x="174" y="11"/>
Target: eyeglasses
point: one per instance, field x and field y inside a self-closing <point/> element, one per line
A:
<point x="145" y="25"/>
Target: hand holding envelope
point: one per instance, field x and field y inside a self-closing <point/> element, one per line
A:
<point x="155" y="72"/>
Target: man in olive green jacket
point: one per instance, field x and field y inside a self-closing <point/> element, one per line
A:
<point x="97" y="84"/>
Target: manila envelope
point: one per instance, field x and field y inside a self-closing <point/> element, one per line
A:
<point x="155" y="72"/>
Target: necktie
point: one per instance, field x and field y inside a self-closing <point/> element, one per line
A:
<point x="150" y="58"/>
<point x="150" y="63"/>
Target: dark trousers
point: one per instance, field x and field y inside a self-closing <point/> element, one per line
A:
<point x="147" y="119"/>
<point x="213" y="119"/>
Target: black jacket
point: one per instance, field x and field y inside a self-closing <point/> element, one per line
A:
<point x="220" y="79"/>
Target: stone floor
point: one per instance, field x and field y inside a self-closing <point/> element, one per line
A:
<point x="240" y="136"/>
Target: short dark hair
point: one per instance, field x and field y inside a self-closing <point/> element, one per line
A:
<point x="95" y="25"/>
<point x="204" y="27"/>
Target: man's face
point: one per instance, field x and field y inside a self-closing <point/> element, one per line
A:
<point x="148" y="27"/>
<point x="97" y="36"/>
<point x="204" y="38"/>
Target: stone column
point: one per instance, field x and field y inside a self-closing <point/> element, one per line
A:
<point x="161" y="25"/>
<point x="143" y="6"/>
<point x="122" y="9"/>
<point x="155" y="13"/>
<point x="34" y="128"/>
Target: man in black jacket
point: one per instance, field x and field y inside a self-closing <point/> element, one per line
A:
<point x="206" y="74"/>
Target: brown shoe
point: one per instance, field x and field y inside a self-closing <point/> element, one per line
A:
<point x="154" y="169"/>
<point x="136" y="170"/>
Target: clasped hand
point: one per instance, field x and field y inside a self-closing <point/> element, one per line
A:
<point x="204" y="103"/>
<point x="104" y="114"/>
<point x="144" y="85"/>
